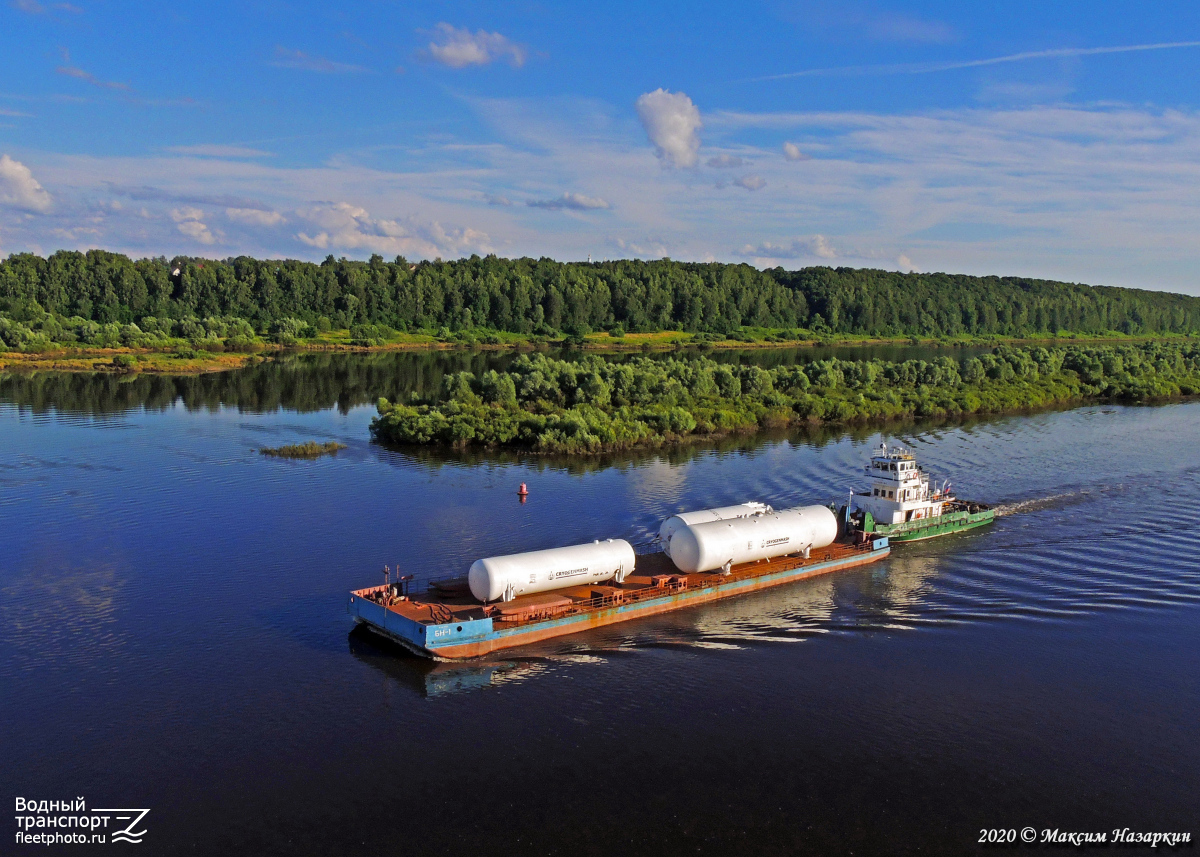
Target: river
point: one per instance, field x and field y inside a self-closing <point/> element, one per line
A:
<point x="173" y="635"/>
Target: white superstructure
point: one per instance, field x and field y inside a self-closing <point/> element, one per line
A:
<point x="899" y="489"/>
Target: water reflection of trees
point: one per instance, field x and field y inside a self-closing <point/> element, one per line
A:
<point x="315" y="381"/>
<point x="309" y="382"/>
<point x="734" y="445"/>
<point x="293" y="382"/>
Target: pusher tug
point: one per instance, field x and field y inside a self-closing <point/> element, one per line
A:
<point x="901" y="506"/>
<point x="514" y="600"/>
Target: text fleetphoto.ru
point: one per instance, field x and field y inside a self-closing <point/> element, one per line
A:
<point x="70" y="822"/>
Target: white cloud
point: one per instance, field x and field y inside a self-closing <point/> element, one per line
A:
<point x="574" y="201"/>
<point x="179" y="215"/>
<point x="20" y="189"/>
<point x="792" y="152"/>
<point x="751" y="182"/>
<point x="254" y="216"/>
<point x="953" y="65"/>
<point x="492" y="199"/>
<point x="188" y="221"/>
<point x="816" y="246"/>
<point x="348" y="227"/>
<point x="88" y="77"/>
<point x="286" y="58"/>
<point x="725" y="162"/>
<point x="33" y="7"/>
<point x="460" y="48"/>
<point x="904" y="263"/>
<point x="197" y="231"/>
<point x="217" y="151"/>
<point x="649" y="248"/>
<point x="672" y="123"/>
<point x="1103" y="194"/>
<point x="904" y="28"/>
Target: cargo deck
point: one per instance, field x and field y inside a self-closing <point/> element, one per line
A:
<point x="448" y="623"/>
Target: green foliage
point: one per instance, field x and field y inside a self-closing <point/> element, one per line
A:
<point x="594" y="405"/>
<point x="293" y="300"/>
<point x="29" y="328"/>
<point x="370" y="334"/>
<point x="289" y="330"/>
<point x="309" y="449"/>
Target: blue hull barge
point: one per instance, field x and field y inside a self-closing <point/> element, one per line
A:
<point x="448" y="623"/>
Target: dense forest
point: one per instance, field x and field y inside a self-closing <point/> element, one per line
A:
<point x="101" y="298"/>
<point x="594" y="405"/>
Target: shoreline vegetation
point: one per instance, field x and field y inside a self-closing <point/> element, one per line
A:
<point x="309" y="450"/>
<point x="101" y="311"/>
<point x="591" y="406"/>
<point x="185" y="357"/>
<point x="1052" y="343"/>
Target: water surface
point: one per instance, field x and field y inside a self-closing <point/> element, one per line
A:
<point x="173" y="634"/>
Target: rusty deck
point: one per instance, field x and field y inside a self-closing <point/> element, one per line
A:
<point x="449" y="623"/>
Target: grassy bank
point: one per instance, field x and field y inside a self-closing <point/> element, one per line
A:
<point x="136" y="351"/>
<point x="589" y="406"/>
<point x="167" y="361"/>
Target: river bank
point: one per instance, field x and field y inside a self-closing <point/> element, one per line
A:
<point x="181" y="357"/>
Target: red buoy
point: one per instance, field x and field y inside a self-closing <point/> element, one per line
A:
<point x="522" y="490"/>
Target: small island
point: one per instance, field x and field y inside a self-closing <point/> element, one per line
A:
<point x="594" y="405"/>
<point x="308" y="450"/>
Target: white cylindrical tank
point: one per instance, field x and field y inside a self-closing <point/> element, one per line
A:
<point x="710" y="545"/>
<point x="723" y="513"/>
<point x="502" y="578"/>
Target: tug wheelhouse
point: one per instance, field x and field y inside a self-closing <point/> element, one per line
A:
<point x="899" y="489"/>
<point x="901" y="504"/>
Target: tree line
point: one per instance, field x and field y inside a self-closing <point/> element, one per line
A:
<point x="102" y="297"/>
<point x="593" y="405"/>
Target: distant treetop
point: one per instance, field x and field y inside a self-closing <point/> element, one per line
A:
<point x="544" y="296"/>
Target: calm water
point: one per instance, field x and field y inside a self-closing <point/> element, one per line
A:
<point x="173" y="636"/>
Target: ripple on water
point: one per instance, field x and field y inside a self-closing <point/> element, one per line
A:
<point x="1088" y="521"/>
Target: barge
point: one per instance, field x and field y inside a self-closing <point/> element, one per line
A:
<point x="526" y="598"/>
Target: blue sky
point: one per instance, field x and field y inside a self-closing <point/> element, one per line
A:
<point x="1058" y="140"/>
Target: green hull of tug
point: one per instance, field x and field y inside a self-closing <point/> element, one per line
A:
<point x="931" y="528"/>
